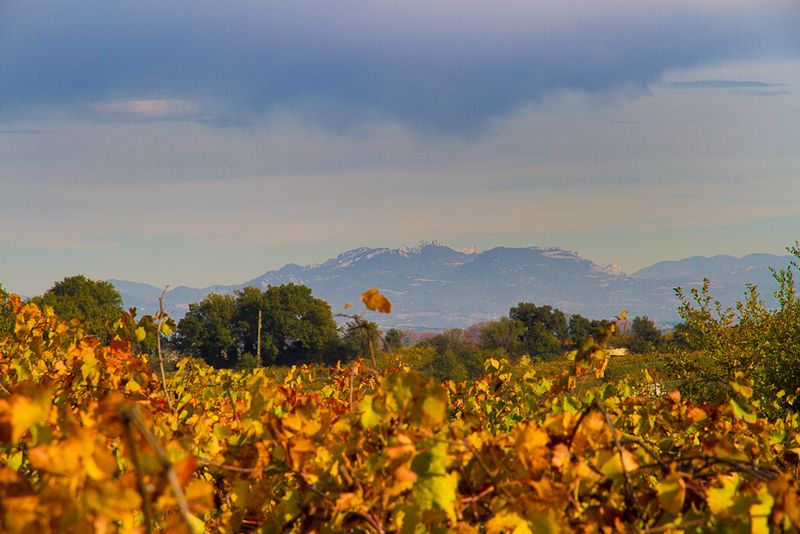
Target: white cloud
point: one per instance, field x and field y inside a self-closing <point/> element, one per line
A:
<point x="162" y="108"/>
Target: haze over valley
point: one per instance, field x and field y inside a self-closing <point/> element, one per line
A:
<point x="433" y="286"/>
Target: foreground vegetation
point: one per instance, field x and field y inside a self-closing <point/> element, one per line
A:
<point x="91" y="440"/>
<point x="463" y="431"/>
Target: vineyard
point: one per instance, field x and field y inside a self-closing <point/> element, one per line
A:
<point x="91" y="440"/>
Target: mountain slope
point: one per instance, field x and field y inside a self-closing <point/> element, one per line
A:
<point x="435" y="286"/>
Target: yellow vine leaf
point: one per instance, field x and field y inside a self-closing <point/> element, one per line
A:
<point x="140" y="334"/>
<point x="760" y="512"/>
<point x="26" y="413"/>
<point x="721" y="499"/>
<point x="507" y="521"/>
<point x="166" y="329"/>
<point x="671" y="493"/>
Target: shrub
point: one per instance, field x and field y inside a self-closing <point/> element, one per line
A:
<point x="748" y="338"/>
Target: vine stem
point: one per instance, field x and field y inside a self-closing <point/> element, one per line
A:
<point x="132" y="415"/>
<point x="146" y="506"/>
<point x="161" y="316"/>
<point x="363" y="325"/>
<point x="630" y="497"/>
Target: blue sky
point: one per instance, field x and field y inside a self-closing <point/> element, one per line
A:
<point x="206" y="142"/>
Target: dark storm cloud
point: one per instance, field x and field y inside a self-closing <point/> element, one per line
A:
<point x="441" y="66"/>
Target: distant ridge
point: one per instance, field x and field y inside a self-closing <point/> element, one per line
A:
<point x="433" y="286"/>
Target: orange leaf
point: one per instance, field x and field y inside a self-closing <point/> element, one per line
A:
<point x="185" y="468"/>
<point x="374" y="301"/>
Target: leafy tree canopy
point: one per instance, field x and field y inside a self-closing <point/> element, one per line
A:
<point x="645" y="337"/>
<point x="357" y="338"/>
<point x="294" y="326"/>
<point x="545" y="328"/>
<point x="581" y="328"/>
<point x="392" y="340"/>
<point x="505" y="334"/>
<point x="297" y="325"/>
<point x="6" y="316"/>
<point x="94" y="302"/>
<point x="207" y="331"/>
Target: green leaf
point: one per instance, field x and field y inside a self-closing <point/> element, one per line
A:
<point x="196" y="525"/>
<point x="437" y="492"/>
<point x="742" y="411"/>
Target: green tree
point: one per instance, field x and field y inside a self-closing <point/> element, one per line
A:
<point x="457" y="356"/>
<point x="545" y="328"/>
<point x="505" y="334"/>
<point x="97" y="304"/>
<point x="296" y="325"/>
<point x="447" y="366"/>
<point x="454" y="340"/>
<point x="357" y="338"/>
<point x="645" y="337"/>
<point x="416" y="356"/>
<point x="207" y="331"/>
<point x="579" y="329"/>
<point x="392" y="340"/>
<point x="6" y="317"/>
<point x="748" y="338"/>
<point x="248" y="302"/>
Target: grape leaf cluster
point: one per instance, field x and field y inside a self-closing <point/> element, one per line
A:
<point x="90" y="443"/>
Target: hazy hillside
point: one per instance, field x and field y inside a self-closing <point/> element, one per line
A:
<point x="435" y="286"/>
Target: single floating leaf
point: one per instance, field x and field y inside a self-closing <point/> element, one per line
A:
<point x="374" y="301"/>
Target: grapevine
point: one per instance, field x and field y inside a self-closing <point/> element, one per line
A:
<point x="89" y="441"/>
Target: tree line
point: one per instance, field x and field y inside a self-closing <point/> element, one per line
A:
<point x="286" y="324"/>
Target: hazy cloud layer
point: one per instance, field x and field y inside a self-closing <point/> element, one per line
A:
<point x="447" y="66"/>
<point x="202" y="142"/>
<point x="723" y="84"/>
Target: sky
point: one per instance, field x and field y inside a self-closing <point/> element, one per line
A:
<point x="203" y="143"/>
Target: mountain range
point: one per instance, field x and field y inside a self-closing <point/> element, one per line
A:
<point x="433" y="286"/>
